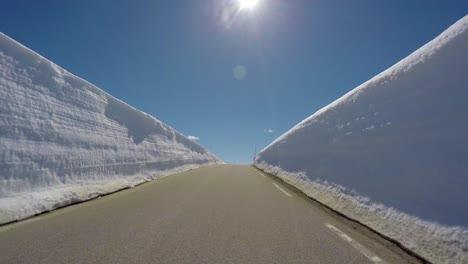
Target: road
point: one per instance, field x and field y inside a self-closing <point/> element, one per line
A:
<point x="218" y="214"/>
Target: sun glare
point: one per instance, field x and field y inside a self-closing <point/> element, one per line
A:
<point x="249" y="4"/>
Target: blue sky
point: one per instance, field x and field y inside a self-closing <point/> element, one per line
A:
<point x="175" y="59"/>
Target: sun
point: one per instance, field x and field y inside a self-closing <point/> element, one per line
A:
<point x="248" y="4"/>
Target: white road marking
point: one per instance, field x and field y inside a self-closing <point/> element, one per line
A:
<point x="281" y="189"/>
<point x="366" y="252"/>
<point x="262" y="175"/>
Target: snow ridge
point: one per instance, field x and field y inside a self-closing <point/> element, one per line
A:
<point x="393" y="152"/>
<point x="64" y="140"/>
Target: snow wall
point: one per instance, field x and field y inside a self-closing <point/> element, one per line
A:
<point x="63" y="140"/>
<point x="393" y="152"/>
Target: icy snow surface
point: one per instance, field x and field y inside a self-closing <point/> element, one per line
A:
<point x="393" y="152"/>
<point x="64" y="140"/>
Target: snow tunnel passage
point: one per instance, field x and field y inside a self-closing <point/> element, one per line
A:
<point x="139" y="125"/>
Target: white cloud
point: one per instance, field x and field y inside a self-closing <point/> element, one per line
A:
<point x="268" y="130"/>
<point x="193" y="138"/>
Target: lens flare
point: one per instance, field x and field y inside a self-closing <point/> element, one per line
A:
<point x="240" y="72"/>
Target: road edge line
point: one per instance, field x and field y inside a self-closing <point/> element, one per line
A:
<point x="282" y="190"/>
<point x="363" y="250"/>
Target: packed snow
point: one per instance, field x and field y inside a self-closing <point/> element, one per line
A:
<point x="63" y="140"/>
<point x="393" y="152"/>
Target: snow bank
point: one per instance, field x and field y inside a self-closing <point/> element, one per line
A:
<point x="393" y="152"/>
<point x="64" y="140"/>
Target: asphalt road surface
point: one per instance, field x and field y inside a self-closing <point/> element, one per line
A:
<point x="218" y="214"/>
